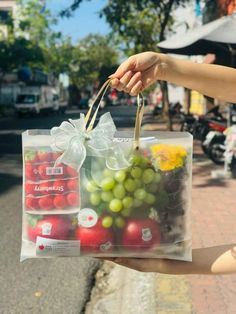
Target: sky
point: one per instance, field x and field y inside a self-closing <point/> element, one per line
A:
<point x="84" y="21"/>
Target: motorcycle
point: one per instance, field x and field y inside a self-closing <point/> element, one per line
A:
<point x="230" y="150"/>
<point x="213" y="144"/>
<point x="202" y="126"/>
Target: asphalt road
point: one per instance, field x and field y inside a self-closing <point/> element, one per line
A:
<point x="37" y="286"/>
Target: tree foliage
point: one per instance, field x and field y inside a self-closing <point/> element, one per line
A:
<point x="32" y="41"/>
<point x="136" y="25"/>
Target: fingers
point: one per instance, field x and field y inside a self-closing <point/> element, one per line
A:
<point x="133" y="263"/>
<point x="124" y="81"/>
<point x="130" y="83"/>
<point x="136" y="89"/>
<point x="126" y="66"/>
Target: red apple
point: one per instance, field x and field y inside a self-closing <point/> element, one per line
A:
<point x="95" y="239"/>
<point x="140" y="234"/>
<point x="54" y="227"/>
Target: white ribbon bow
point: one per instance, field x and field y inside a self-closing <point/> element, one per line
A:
<point x="73" y="139"/>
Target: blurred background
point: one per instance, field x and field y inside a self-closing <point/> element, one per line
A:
<point x="54" y="57"/>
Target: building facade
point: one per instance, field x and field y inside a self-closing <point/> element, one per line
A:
<point x="8" y="10"/>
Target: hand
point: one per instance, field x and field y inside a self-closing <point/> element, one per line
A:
<point x="141" y="264"/>
<point x="138" y="72"/>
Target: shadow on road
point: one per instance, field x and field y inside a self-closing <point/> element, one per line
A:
<point x="8" y="181"/>
<point x="10" y="143"/>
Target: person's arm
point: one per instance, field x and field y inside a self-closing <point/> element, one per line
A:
<point x="217" y="260"/>
<point x="141" y="70"/>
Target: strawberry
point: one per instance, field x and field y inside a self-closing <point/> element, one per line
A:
<point x="31" y="203"/>
<point x="30" y="189"/>
<point x="73" y="199"/>
<point x="31" y="172"/>
<point x="44" y="156"/>
<point x="60" y="201"/>
<point x="30" y="156"/>
<point x="56" y="155"/>
<point x="72" y="185"/>
<point x="59" y="187"/>
<point x="46" y="202"/>
<point x="60" y="170"/>
<point x="72" y="173"/>
<point x="45" y="188"/>
<point x="43" y="171"/>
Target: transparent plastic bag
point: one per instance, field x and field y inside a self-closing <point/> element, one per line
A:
<point x="142" y="210"/>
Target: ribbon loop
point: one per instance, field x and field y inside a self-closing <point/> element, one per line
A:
<point x="76" y="142"/>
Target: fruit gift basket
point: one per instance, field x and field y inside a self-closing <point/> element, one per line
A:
<point x="94" y="191"/>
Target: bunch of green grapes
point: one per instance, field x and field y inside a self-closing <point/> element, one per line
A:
<point x="123" y="191"/>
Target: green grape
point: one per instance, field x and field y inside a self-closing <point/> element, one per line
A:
<point x="138" y="183"/>
<point x="108" y="173"/>
<point x="135" y="159"/>
<point x="137" y="203"/>
<point x="150" y="199"/>
<point x="95" y="198"/>
<point x="119" y="222"/>
<point x="126" y="212"/>
<point x="120" y="176"/>
<point x="136" y="172"/>
<point x="107" y="184"/>
<point x="119" y="191"/>
<point x="130" y="185"/>
<point x="148" y="176"/>
<point x="153" y="188"/>
<point x="140" y="194"/>
<point x="144" y="162"/>
<point x="157" y="177"/>
<point x="107" y="221"/>
<point x="127" y="202"/>
<point x="115" y="205"/>
<point x="91" y="186"/>
<point x="107" y="196"/>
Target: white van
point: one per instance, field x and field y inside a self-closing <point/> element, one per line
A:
<point x="35" y="99"/>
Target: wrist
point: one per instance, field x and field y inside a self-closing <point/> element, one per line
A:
<point x="163" y="67"/>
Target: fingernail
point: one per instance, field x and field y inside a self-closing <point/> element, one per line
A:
<point x="111" y="76"/>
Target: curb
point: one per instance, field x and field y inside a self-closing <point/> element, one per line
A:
<point x="119" y="290"/>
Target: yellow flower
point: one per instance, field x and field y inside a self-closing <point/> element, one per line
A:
<point x="168" y="157"/>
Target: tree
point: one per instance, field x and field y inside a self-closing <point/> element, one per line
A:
<point x="138" y="26"/>
<point x="90" y="57"/>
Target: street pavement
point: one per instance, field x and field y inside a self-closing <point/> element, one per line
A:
<point x="38" y="286"/>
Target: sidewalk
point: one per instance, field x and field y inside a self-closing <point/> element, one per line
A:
<point x="119" y="290"/>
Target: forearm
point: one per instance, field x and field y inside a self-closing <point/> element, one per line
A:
<point x="212" y="261"/>
<point x="210" y="80"/>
